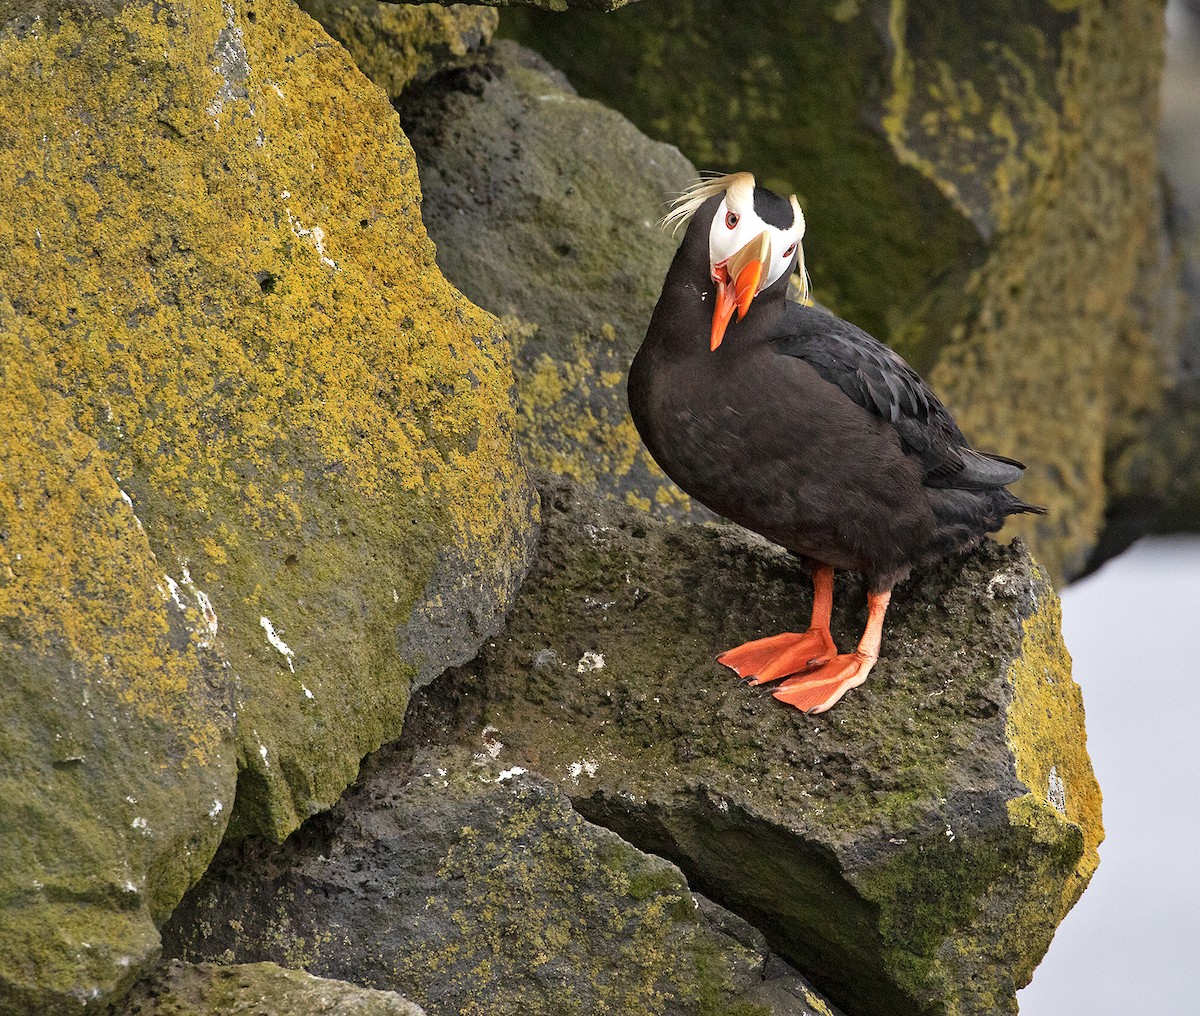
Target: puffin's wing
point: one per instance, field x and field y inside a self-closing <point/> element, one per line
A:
<point x="881" y="382"/>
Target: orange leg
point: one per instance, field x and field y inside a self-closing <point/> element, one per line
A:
<point x="821" y="688"/>
<point x="779" y="656"/>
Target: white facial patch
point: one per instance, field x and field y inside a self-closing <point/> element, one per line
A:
<point x="736" y="224"/>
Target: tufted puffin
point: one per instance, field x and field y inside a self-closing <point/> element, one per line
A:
<point x="803" y="428"/>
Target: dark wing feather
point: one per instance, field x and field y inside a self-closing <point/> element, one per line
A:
<point x="881" y="382"/>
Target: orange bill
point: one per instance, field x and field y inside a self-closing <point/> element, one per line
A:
<point x="738" y="280"/>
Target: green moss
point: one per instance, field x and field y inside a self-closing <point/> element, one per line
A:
<point x="879" y="845"/>
<point x="974" y="102"/>
<point x="99" y="674"/>
<point x="207" y="990"/>
<point x="782" y="98"/>
<point x="537" y="888"/>
<point x="235" y="388"/>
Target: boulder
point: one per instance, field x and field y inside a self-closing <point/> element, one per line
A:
<point x="558" y="5"/>
<point x="544" y="209"/>
<point x="475" y="888"/>
<point x="259" y="471"/>
<point x="910" y="852"/>
<point x="982" y="192"/>
<point x="117" y="762"/>
<point x="394" y="44"/>
<point x="264" y="989"/>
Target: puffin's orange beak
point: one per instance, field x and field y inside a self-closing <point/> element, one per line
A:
<point x="737" y="281"/>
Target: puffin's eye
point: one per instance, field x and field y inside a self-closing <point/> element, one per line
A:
<point x="790" y="251"/>
<point x="731" y="219"/>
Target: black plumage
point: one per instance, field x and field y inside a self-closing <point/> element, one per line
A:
<point x="805" y="429"/>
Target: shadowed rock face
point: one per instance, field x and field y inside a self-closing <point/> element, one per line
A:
<point x="982" y="190"/>
<point x="911" y="851"/>
<point x="258" y="462"/>
<point x="477" y="889"/>
<point x="544" y="208"/>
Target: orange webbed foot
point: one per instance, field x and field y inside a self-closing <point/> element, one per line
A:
<point x="779" y="656"/>
<point x="820" y="689"/>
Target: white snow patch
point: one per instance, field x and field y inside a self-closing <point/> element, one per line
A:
<point x="508" y="774"/>
<point x="590" y="661"/>
<point x="141" y="825"/>
<point x="278" y="643"/>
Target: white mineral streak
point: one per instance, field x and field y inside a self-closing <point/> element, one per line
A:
<point x="277" y="642"/>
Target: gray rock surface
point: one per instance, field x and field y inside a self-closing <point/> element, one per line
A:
<point x="476" y="888"/>
<point x="256" y="989"/>
<point x="544" y="208"/>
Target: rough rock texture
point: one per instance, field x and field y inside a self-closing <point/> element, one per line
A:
<point x="477" y="889"/>
<point x="395" y="44"/>
<point x="982" y="191"/>
<point x="562" y="5"/>
<point x="257" y="989"/>
<point x="544" y="208"/>
<point x="910" y="852"/>
<point x="253" y="444"/>
<point x="117" y="763"/>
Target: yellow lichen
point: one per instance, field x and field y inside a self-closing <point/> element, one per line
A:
<point x="237" y="303"/>
<point x="571" y="424"/>
<point x="1049" y="744"/>
<point x="76" y="568"/>
<point x="393" y="44"/>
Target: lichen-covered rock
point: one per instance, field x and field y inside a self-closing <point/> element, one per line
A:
<point x="544" y="208"/>
<point x="558" y="6"/>
<point x="231" y="370"/>
<point x="117" y="764"/>
<point x="910" y="852"/>
<point x="981" y="187"/>
<point x="477" y="889"/>
<point x="256" y="989"/>
<point x="394" y="44"/>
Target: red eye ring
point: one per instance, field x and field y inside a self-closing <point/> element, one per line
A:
<point x="731" y="219"/>
<point x="790" y="251"/>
